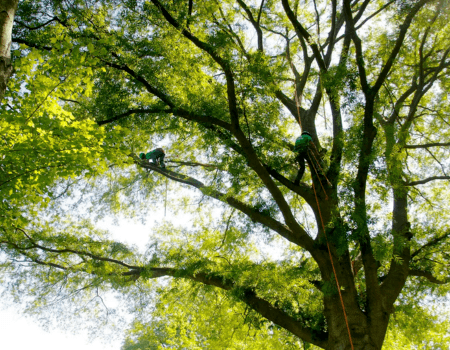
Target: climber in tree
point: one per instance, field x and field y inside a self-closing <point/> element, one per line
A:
<point x="302" y="144"/>
<point x="155" y="156"/>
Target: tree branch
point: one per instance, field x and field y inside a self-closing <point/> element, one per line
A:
<point x="426" y="145"/>
<point x="303" y="33"/>
<point x="431" y="243"/>
<point x="166" y="99"/>
<point x="300" y="237"/>
<point x="231" y="89"/>
<point x="424" y="181"/>
<point x="135" y="111"/>
<point x="255" y="23"/>
<point x="398" y="44"/>
<point x="248" y="296"/>
<point x="428" y="276"/>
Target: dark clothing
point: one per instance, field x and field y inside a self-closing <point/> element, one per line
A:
<point x="155" y="156"/>
<point x="301" y="162"/>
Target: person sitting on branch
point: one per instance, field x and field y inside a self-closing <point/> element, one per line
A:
<point x="155" y="156"/>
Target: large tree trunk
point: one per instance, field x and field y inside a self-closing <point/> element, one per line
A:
<point x="7" y="12"/>
<point x="367" y="321"/>
<point x="365" y="336"/>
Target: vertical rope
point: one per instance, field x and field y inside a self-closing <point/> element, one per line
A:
<point x="165" y="198"/>
<point x="318" y="164"/>
<point x="297" y="103"/>
<point x="334" y="270"/>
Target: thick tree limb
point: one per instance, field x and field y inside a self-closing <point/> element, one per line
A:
<point x="401" y="256"/>
<point x="7" y="13"/>
<point x="231" y="89"/>
<point x="263" y="307"/>
<point x="300" y="238"/>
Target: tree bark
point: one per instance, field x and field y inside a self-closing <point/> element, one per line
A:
<point x="7" y="12"/>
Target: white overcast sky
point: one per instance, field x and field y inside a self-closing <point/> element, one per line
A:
<point x="18" y="332"/>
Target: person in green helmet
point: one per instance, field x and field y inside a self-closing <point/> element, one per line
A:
<point x="155" y="156"/>
<point x="302" y="144"/>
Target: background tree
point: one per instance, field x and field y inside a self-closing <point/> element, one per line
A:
<point x="226" y="86"/>
<point x="7" y="11"/>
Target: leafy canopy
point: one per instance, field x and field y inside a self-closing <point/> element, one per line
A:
<point x="226" y="87"/>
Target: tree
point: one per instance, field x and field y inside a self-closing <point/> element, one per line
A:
<point x="7" y="11"/>
<point x="228" y="86"/>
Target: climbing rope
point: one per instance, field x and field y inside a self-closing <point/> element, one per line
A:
<point x="297" y="102"/>
<point x="332" y="264"/>
<point x="315" y="170"/>
<point x="318" y="163"/>
<point x="165" y="198"/>
<point x="318" y="206"/>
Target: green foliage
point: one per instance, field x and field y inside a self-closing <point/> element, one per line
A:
<point x="98" y="81"/>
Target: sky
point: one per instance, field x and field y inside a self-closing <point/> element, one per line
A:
<point x="18" y="332"/>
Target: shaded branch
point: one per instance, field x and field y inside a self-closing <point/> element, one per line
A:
<point x="429" y="276"/>
<point x="31" y="44"/>
<point x="248" y="296"/>
<point x="426" y="145"/>
<point x="180" y="112"/>
<point x="303" y="33"/>
<point x="255" y="23"/>
<point x="431" y="243"/>
<point x="38" y="26"/>
<point x="300" y="237"/>
<point x="193" y="164"/>
<point x="424" y="181"/>
<point x="231" y="90"/>
<point x="135" y="111"/>
<point x="398" y="44"/>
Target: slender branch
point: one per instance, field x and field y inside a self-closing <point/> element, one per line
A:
<point x="31" y="44"/>
<point x="135" y="111"/>
<point x="398" y="44"/>
<point x="77" y="252"/>
<point x="361" y="10"/>
<point x="359" y="26"/>
<point x="431" y="243"/>
<point x="429" y="276"/>
<point x="303" y="33"/>
<point x="166" y="99"/>
<point x="193" y="164"/>
<point x="358" y="47"/>
<point x="424" y="181"/>
<point x="38" y="26"/>
<point x="255" y="23"/>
